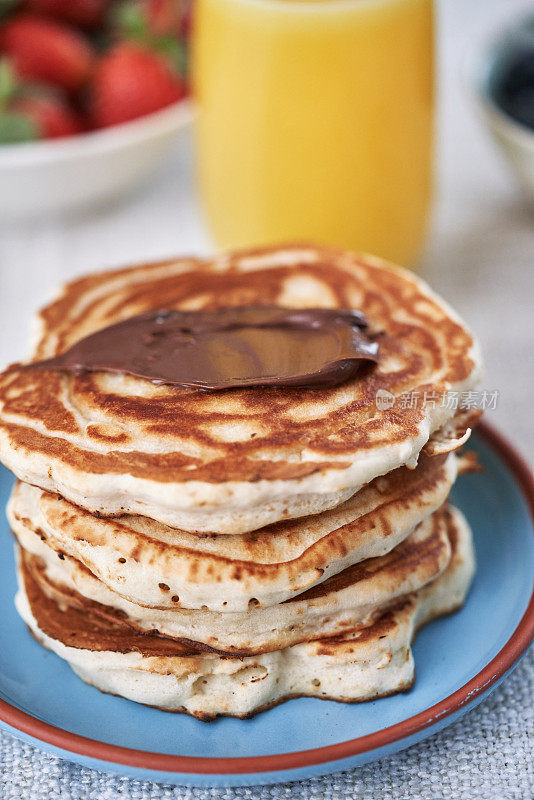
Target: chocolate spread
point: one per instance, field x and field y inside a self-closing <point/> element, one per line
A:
<point x="228" y="347"/>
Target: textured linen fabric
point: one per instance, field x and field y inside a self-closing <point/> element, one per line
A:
<point x="480" y="258"/>
<point x="487" y="755"/>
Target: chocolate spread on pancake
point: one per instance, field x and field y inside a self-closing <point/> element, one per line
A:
<point x="228" y="347"/>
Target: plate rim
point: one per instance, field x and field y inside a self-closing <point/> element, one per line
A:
<point x="487" y="677"/>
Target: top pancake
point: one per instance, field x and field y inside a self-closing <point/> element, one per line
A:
<point x="237" y="460"/>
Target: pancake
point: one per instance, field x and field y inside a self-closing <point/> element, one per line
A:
<point x="359" y="665"/>
<point x="354" y="598"/>
<point x="238" y="460"/>
<point x="153" y="565"/>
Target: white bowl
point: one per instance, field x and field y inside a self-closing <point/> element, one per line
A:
<point x="515" y="140"/>
<point x="89" y="169"/>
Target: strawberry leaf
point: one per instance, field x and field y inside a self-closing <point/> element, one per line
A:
<point x="15" y="128"/>
<point x="130" y="19"/>
<point x="6" y="6"/>
<point x="8" y="83"/>
<point x="174" y="50"/>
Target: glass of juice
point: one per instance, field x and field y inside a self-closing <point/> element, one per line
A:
<point x="315" y="121"/>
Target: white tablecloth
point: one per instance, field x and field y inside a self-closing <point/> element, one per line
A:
<point x="481" y="258"/>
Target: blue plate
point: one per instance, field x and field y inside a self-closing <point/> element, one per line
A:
<point x="459" y="660"/>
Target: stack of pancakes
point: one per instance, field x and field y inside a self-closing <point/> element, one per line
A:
<point x="217" y="552"/>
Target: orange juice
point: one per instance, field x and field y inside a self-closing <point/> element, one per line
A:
<point x="315" y="121"/>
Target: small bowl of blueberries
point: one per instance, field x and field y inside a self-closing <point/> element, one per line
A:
<point x="503" y="78"/>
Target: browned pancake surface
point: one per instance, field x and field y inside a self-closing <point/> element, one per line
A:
<point x="263" y="555"/>
<point x="421" y="349"/>
<point x="65" y="615"/>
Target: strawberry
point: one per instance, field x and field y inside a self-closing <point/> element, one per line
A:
<point x="31" y="112"/>
<point x="165" y="16"/>
<point x="46" y="51"/>
<point x="82" y="13"/>
<point x="50" y="114"/>
<point x="156" y="24"/>
<point x="186" y="24"/>
<point x="131" y="81"/>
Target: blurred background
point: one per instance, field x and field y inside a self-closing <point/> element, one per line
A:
<point x="135" y="173"/>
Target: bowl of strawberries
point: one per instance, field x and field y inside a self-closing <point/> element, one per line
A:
<point x="93" y="94"/>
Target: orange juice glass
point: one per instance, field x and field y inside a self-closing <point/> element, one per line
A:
<point x="315" y="121"/>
